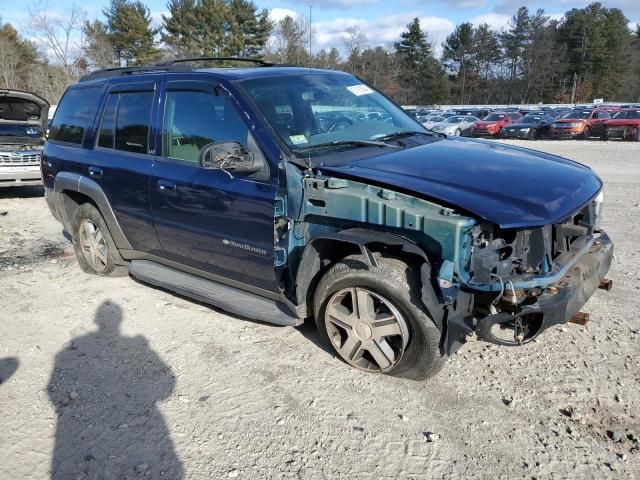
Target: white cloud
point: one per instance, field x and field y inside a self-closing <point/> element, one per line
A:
<point x="381" y="31"/>
<point x="497" y="21"/>
<point x="336" y="4"/>
<point x="277" y="14"/>
<point x="156" y="18"/>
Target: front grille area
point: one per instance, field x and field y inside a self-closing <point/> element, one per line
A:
<point x="19" y="158"/>
<point x="511" y="253"/>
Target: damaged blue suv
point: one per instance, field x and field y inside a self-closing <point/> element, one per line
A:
<point x="283" y="194"/>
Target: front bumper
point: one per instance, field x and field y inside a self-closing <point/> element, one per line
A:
<point x="565" y="133"/>
<point x="559" y="302"/>
<point x="11" y="176"/>
<point x="484" y="133"/>
<point x="515" y="133"/>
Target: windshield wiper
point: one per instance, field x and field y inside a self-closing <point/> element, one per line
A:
<point x="354" y="143"/>
<point x="407" y="133"/>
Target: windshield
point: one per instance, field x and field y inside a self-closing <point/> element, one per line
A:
<point x="19" y="131"/>
<point x="580" y="114"/>
<point x="436" y="119"/>
<point x="454" y="119"/>
<point x="494" y="116"/>
<point x="322" y="108"/>
<point x="628" y="114"/>
<point x="532" y="119"/>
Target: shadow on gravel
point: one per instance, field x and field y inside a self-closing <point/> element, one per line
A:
<point x="8" y="366"/>
<point x="21" y="192"/>
<point x="105" y="387"/>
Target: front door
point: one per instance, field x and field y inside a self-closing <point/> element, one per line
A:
<point x="215" y="221"/>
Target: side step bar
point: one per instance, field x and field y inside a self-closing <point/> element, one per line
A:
<point x="228" y="298"/>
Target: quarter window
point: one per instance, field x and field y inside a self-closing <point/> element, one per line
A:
<point x="193" y="119"/>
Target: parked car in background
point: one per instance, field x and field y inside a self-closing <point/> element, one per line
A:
<point x="474" y="112"/>
<point x="455" y="125"/>
<point x="579" y="123"/>
<point x="530" y="127"/>
<point x="436" y="118"/>
<point x="491" y="125"/>
<point x="625" y="124"/>
<point x="23" y="124"/>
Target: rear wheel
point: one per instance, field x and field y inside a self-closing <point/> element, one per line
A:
<point x="93" y="246"/>
<point x="372" y="318"/>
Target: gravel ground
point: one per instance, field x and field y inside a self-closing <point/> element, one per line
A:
<point x="108" y="378"/>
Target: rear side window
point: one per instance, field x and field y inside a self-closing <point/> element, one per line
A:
<point x="74" y="114"/>
<point x="125" y="122"/>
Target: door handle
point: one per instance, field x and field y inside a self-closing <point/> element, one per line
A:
<point x="95" y="172"/>
<point x="167" y="186"/>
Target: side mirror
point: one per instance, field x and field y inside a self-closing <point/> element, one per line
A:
<point x="229" y="157"/>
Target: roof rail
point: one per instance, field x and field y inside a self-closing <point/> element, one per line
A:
<point x="262" y="63"/>
<point x="167" y="66"/>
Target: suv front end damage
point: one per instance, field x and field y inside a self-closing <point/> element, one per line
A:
<point x="506" y="285"/>
<point x="528" y="280"/>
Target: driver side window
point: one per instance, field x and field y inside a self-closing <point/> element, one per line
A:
<point x="193" y="119"/>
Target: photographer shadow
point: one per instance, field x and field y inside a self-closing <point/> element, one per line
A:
<point x="105" y="388"/>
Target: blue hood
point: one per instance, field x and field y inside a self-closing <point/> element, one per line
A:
<point x="510" y="186"/>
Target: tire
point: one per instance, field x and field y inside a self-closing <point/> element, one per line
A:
<point x="93" y="246"/>
<point x="637" y="134"/>
<point x="416" y="344"/>
<point x="533" y="135"/>
<point x="457" y="133"/>
<point x="604" y="136"/>
<point x="586" y="134"/>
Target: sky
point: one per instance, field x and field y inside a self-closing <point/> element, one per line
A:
<point x="381" y="21"/>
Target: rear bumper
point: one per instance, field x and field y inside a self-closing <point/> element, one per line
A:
<point x="12" y="176"/>
<point x="560" y="301"/>
<point x="624" y="132"/>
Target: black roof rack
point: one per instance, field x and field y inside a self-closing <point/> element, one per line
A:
<point x="168" y="66"/>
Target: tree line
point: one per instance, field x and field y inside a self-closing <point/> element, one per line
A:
<point x="589" y="53"/>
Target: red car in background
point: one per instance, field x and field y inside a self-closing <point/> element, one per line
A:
<point x="491" y="125"/>
<point x="625" y="124"/>
<point x="580" y="123"/>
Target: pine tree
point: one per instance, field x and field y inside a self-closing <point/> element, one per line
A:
<point x="421" y="74"/>
<point x="130" y="32"/>
<point x="457" y="50"/>
<point x="180" y="28"/>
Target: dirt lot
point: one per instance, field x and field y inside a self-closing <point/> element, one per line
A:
<point x="109" y="378"/>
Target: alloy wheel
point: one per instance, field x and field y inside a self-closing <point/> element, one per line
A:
<point x="366" y="329"/>
<point x="93" y="245"/>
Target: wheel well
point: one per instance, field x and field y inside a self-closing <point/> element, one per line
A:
<point x="323" y="253"/>
<point x="70" y="202"/>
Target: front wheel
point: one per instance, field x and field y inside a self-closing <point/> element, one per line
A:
<point x="586" y="134"/>
<point x="373" y="319"/>
<point x="457" y="133"/>
<point x="93" y="246"/>
<point x="534" y="134"/>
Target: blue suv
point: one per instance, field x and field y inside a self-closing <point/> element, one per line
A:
<point x="283" y="194"/>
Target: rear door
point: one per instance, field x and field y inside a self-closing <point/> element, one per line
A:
<point x="216" y="221"/>
<point x="123" y="155"/>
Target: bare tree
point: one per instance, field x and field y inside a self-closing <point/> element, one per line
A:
<point x="58" y="36"/>
<point x="10" y="60"/>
